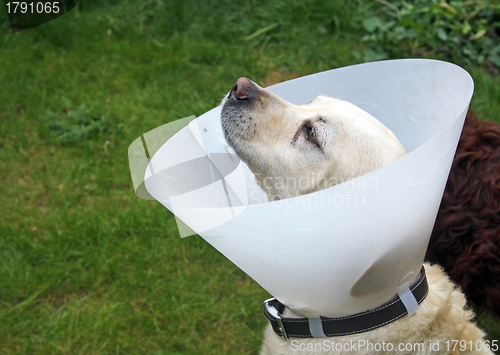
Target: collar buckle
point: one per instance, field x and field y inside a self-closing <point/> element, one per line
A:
<point x="272" y="314"/>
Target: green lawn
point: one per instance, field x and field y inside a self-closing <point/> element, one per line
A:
<point x="86" y="266"/>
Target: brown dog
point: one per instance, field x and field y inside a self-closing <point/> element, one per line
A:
<point x="466" y="236"/>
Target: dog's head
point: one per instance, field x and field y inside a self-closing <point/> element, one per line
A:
<point x="294" y="150"/>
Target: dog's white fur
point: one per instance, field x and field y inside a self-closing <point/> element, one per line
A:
<point x="271" y="136"/>
<point x="323" y="143"/>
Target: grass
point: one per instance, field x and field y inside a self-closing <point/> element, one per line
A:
<point x="88" y="268"/>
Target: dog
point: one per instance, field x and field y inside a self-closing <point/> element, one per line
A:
<point x="465" y="240"/>
<point x="334" y="141"/>
<point x="326" y="140"/>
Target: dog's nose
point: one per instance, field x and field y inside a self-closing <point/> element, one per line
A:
<point x="242" y="88"/>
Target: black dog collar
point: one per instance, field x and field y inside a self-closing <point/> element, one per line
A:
<point x="356" y="323"/>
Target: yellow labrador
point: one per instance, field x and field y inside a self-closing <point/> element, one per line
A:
<point x="325" y="141"/>
<point x="294" y="150"/>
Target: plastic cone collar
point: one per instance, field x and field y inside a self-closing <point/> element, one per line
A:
<point x="345" y="249"/>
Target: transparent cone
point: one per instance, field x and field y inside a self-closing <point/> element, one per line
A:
<point x="345" y="249"/>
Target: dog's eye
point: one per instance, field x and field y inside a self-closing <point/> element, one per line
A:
<point x="306" y="131"/>
<point x="312" y="134"/>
